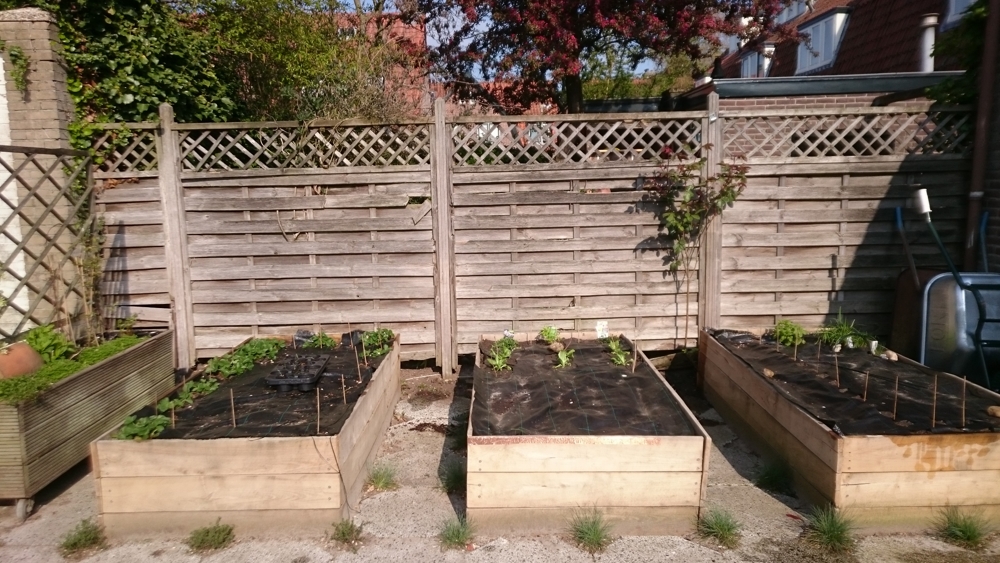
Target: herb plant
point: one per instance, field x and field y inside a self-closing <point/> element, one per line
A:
<point x="50" y="344"/>
<point x="321" y="340"/>
<point x="212" y="537"/>
<point x="549" y="334"/>
<point x="788" y="333"/>
<point x="144" y="428"/>
<point x="377" y="342"/>
<point x="242" y="359"/>
<point x="564" y="358"/>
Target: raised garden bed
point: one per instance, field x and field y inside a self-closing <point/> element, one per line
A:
<point x="273" y="473"/>
<point x="546" y="443"/>
<point x="42" y="438"/>
<point x="874" y="453"/>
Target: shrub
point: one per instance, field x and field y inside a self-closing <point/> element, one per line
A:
<point x="216" y="536"/>
<point x="382" y="477"/>
<point x="964" y="529"/>
<point x="829" y="529"/>
<point x="721" y="525"/>
<point x="590" y="531"/>
<point x="456" y="533"/>
<point x="85" y="535"/>
<point x="348" y="533"/>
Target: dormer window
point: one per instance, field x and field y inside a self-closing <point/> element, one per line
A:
<point x="820" y="51"/>
<point x="956" y="11"/>
<point x="757" y="65"/>
<point x="792" y="11"/>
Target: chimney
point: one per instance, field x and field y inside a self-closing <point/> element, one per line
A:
<point x="928" y="28"/>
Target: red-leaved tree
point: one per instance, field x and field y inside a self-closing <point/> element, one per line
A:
<point x="532" y="50"/>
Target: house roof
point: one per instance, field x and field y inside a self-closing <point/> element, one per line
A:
<point x="882" y="36"/>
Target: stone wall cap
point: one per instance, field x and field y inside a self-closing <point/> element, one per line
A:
<point x="27" y="15"/>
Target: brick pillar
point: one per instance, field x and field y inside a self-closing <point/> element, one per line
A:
<point x="38" y="116"/>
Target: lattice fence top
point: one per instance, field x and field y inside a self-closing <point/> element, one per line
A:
<point x="128" y="148"/>
<point x="847" y="134"/>
<point x="45" y="228"/>
<point x="484" y="142"/>
<point x="281" y="147"/>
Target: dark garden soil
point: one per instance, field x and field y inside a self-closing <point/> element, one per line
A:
<point x="813" y="385"/>
<point x="590" y="397"/>
<point x="261" y="410"/>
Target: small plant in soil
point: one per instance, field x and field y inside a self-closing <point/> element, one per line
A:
<point x="776" y="477"/>
<point x="500" y="352"/>
<point x="549" y="334"/>
<point x="186" y="396"/>
<point x="721" y="525"/>
<point x="590" y="531"/>
<point x="216" y="536"/>
<point x="376" y="343"/>
<point x="564" y="358"/>
<point x="348" y="534"/>
<point x="320" y="340"/>
<point x="456" y="533"/>
<point x="788" y="333"/>
<point x="144" y="428"/>
<point x="86" y="535"/>
<point x="50" y="344"/>
<point x="242" y="359"/>
<point x="619" y="356"/>
<point x="964" y="529"/>
<point x="829" y="529"/>
<point x="382" y="477"/>
<point x="453" y="477"/>
<point x="840" y="330"/>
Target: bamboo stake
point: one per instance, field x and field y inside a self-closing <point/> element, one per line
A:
<point x="317" y="410"/>
<point x="864" y="398"/>
<point x="895" y="398"/>
<point x="934" y="403"/>
<point x="795" y="352"/>
<point x="343" y="386"/>
<point x="357" y="361"/>
<point x="963" y="402"/>
<point x="819" y="349"/>
<point x="232" y="407"/>
<point x="836" y="368"/>
<point x="635" y="354"/>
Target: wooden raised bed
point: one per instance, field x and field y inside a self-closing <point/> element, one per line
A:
<point x="645" y="485"/>
<point x="42" y="439"/>
<point x="884" y="482"/>
<point x="261" y="485"/>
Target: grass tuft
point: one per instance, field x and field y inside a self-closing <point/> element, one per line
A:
<point x="453" y="476"/>
<point x="216" y="536"/>
<point x="721" y="525"/>
<point x="86" y="535"/>
<point x="348" y="533"/>
<point x="590" y="531"/>
<point x="830" y="529"/>
<point x="776" y="477"/>
<point x="964" y="529"/>
<point x="382" y="477"/>
<point x="456" y="533"/>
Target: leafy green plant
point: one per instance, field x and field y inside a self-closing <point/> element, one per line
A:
<point x="242" y="359"/>
<point x="376" y="342"/>
<point x="50" y="344"/>
<point x="320" y="340"/>
<point x="590" y="531"/>
<point x="788" y="333"/>
<point x="840" y="329"/>
<point x="564" y="357"/>
<point x="829" y="529"/>
<point x="126" y="325"/>
<point x="453" y="477"/>
<point x="498" y="363"/>
<point x="216" y="536"/>
<point x="29" y="387"/>
<point x="549" y="334"/>
<point x="348" y="533"/>
<point x="382" y="477"/>
<point x="144" y="428"/>
<point x="721" y="525"/>
<point x="964" y="529"/>
<point x="456" y="533"/>
<point x="506" y="345"/>
<point x="776" y="476"/>
<point x="86" y="535"/>
<point x="619" y="356"/>
<point x="191" y="391"/>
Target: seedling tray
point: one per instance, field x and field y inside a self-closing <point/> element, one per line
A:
<point x="297" y="370"/>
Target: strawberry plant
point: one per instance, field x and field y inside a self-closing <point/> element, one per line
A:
<point x="320" y="340"/>
<point x="565" y="357"/>
<point x="376" y="342"/>
<point x="242" y="359"/>
<point x="186" y="396"/>
<point x="142" y="428"/>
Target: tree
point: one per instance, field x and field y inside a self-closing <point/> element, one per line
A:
<point x="964" y="44"/>
<point x="536" y="49"/>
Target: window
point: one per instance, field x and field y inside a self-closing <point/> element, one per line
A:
<point x="792" y="11"/>
<point x="824" y="40"/>
<point x="757" y="65"/>
<point x="956" y="10"/>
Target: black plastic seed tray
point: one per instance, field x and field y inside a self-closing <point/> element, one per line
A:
<point x="302" y="371"/>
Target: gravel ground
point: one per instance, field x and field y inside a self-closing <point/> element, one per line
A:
<point x="402" y="525"/>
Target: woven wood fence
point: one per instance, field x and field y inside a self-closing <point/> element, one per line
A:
<point x="46" y="231"/>
<point x="446" y="228"/>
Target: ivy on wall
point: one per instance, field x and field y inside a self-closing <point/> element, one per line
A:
<point x="20" y="64"/>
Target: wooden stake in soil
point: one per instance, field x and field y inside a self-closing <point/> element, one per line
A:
<point x="356" y="360"/>
<point x="343" y="386"/>
<point x="963" y="402"/>
<point x="232" y="407"/>
<point x="934" y="402"/>
<point x="795" y="352"/>
<point x="317" y="410"/>
<point x="864" y="398"/>
<point x="836" y="369"/>
<point x="635" y="354"/>
<point x="895" y="398"/>
<point x="173" y="421"/>
<point x="819" y="349"/>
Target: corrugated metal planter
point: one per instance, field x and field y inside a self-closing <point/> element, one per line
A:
<point x="42" y="439"/>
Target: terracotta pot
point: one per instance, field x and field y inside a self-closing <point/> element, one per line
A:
<point x="19" y="359"/>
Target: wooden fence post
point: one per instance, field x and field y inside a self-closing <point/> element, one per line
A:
<point x="175" y="239"/>
<point x="710" y="251"/>
<point x="445" y="310"/>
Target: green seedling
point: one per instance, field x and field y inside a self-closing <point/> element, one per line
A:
<point x="86" y="535"/>
<point x="721" y="525"/>
<point x="830" y="530"/>
<point x="964" y="529"/>
<point x="564" y="358"/>
<point x="186" y="396"/>
<point x="456" y="533"/>
<point x="144" y="428"/>
<point x="549" y="334"/>
<point x="590" y="531"/>
<point x="619" y="357"/>
<point x="839" y="330"/>
<point x="209" y="538"/>
<point x="788" y="333"/>
<point x="242" y="359"/>
<point x="321" y="340"/>
<point x="347" y="533"/>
